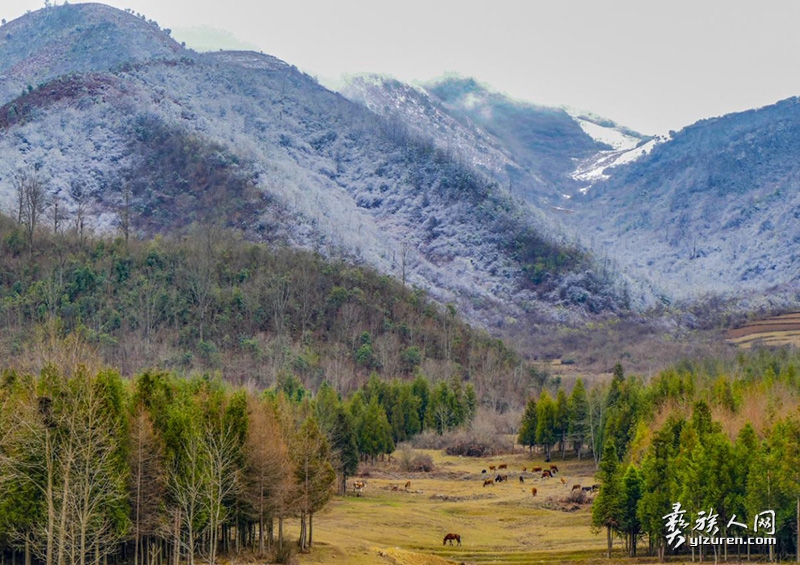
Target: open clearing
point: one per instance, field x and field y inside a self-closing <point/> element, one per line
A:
<point x="499" y="524"/>
<point x="775" y="331"/>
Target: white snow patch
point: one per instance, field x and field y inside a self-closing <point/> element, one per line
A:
<point x="591" y="170"/>
<point x="610" y="136"/>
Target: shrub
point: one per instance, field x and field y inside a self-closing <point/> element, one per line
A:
<point x="413" y="462"/>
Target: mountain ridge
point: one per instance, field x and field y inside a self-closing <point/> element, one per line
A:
<point x="288" y="161"/>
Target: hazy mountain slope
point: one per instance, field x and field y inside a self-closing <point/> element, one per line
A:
<point x="247" y="139"/>
<point x="74" y="38"/>
<point x="426" y="116"/>
<point x="546" y="142"/>
<point x="715" y="209"/>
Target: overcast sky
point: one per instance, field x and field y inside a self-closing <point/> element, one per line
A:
<point x="650" y="65"/>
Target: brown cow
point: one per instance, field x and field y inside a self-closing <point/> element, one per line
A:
<point x="524" y="469"/>
<point x="563" y="481"/>
<point x="546" y="474"/>
<point x="576" y="487"/>
<point x="553" y="468"/>
<point x="537" y="469"/>
<point x="502" y="466"/>
<point x="359" y="486"/>
<point x="488" y="482"/>
<point x="408" y="485"/>
<point x="533" y="491"/>
<point x="395" y="487"/>
<point x="492" y="467"/>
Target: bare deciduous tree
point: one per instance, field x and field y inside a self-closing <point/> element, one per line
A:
<point x="147" y="488"/>
<point x="32" y="200"/>
<point x="267" y="481"/>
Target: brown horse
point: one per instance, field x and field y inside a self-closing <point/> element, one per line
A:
<point x="450" y="538"/>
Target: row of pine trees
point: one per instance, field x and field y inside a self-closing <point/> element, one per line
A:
<point x="720" y="438"/>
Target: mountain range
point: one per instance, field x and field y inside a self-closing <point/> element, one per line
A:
<point x="521" y="215"/>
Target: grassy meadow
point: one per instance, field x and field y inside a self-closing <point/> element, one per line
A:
<point x="498" y="524"/>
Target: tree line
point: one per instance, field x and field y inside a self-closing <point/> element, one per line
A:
<point x="160" y="469"/>
<point x="719" y="437"/>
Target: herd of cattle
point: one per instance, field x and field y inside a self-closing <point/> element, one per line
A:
<point x="358" y="486"/>
<point x="546" y="474"/>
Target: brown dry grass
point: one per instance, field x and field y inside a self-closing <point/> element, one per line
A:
<point x="499" y="524"/>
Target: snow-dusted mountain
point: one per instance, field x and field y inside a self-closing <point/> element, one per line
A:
<point x="55" y="41"/>
<point x="714" y="210"/>
<point x="710" y="211"/>
<point x="246" y="139"/>
<point x="460" y="190"/>
<point x="542" y="154"/>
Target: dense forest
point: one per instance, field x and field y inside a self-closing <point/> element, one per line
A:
<point x="160" y="468"/>
<point x="722" y="438"/>
<point x="209" y="301"/>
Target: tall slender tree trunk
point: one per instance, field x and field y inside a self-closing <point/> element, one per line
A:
<point x="261" y="534"/>
<point x="62" y="533"/>
<point x="310" y="530"/>
<point x="176" y="551"/>
<point x="51" y="509"/>
<point x="610" y="539"/>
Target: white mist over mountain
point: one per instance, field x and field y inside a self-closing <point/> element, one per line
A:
<point x="653" y="67"/>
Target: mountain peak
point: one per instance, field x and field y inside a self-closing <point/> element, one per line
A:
<point x="90" y="37"/>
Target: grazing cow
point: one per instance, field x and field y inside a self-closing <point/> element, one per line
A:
<point x="595" y="487"/>
<point x="395" y="487"/>
<point x="576" y="487"/>
<point x="537" y="469"/>
<point x="546" y="474"/>
<point x="563" y="481"/>
<point x="553" y="468"/>
<point x="450" y="538"/>
<point x="521" y="479"/>
<point x="408" y="485"/>
<point x="502" y="466"/>
<point x="358" y="486"/>
<point x="586" y="489"/>
<point x="492" y="467"/>
<point x="498" y="479"/>
<point x="488" y="482"/>
<point x="533" y="491"/>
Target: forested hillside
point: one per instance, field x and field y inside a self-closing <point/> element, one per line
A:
<point x="719" y="436"/>
<point x="210" y="301"/>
